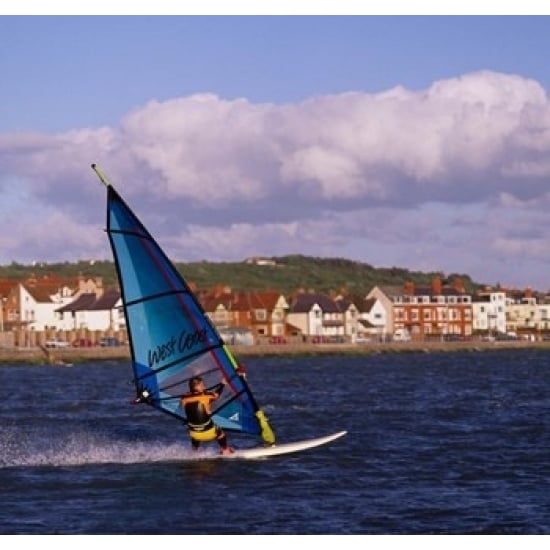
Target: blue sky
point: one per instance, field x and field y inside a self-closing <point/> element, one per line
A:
<point x="91" y="70"/>
<point x="410" y="141"/>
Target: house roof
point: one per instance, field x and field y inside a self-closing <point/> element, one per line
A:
<point x="90" y="302"/>
<point x="391" y="290"/>
<point x="303" y="303"/>
<point x="429" y="291"/>
<point x="343" y="304"/>
<point x="82" y="303"/>
<point x="368" y="304"/>
<point x="107" y="300"/>
<point x="43" y="292"/>
<point x="241" y="301"/>
<point x="290" y="328"/>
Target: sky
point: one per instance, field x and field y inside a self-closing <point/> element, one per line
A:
<point x="412" y="141"/>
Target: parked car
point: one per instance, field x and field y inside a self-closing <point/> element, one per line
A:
<point x="109" y="341"/>
<point x="55" y="344"/>
<point x="82" y="343"/>
<point x="277" y="340"/>
<point x="401" y="335"/>
<point x="506" y="336"/>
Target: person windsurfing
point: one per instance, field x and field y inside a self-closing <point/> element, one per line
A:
<point x="196" y="405"/>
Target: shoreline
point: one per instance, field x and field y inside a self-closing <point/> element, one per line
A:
<point x="15" y="356"/>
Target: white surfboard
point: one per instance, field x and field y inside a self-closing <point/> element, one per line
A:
<point x="283" y="448"/>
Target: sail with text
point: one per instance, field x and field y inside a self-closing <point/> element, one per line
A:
<point x="171" y="337"/>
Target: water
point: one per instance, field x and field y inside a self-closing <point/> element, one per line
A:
<point x="437" y="444"/>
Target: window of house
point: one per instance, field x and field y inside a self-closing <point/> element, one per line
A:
<point x="260" y="314"/>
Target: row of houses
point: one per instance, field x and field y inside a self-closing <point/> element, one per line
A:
<point x="442" y="310"/>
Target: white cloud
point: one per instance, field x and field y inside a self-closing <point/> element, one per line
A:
<point x="337" y="172"/>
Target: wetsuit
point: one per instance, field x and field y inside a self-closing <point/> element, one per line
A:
<point x="198" y="412"/>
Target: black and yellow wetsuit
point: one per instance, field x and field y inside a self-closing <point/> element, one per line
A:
<point x="198" y="412"/>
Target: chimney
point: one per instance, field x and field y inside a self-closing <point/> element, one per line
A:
<point x="409" y="288"/>
<point x="436" y="286"/>
<point x="459" y="285"/>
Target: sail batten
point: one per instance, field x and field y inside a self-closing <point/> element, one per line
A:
<point x="154" y="296"/>
<point x="171" y="337"/>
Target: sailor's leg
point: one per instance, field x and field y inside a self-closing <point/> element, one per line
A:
<point x="222" y="441"/>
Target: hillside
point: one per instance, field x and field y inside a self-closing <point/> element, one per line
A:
<point x="288" y="274"/>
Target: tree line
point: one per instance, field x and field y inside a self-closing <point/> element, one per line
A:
<point x="284" y="274"/>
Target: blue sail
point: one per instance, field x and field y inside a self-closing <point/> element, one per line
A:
<point x="171" y="337"/>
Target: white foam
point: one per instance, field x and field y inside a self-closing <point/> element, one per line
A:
<point x="83" y="448"/>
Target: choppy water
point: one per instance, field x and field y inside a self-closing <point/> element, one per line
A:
<point x="437" y="443"/>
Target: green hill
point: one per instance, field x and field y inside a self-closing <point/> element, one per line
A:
<point x="286" y="274"/>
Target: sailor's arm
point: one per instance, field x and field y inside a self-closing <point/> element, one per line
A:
<point x="217" y="390"/>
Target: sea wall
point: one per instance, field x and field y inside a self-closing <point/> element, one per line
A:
<point x="78" y="355"/>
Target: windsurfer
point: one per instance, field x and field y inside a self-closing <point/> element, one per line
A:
<point x="196" y="405"/>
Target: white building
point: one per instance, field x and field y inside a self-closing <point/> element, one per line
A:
<point x="373" y="318"/>
<point x="350" y="314"/>
<point x="92" y="312"/>
<point x="37" y="306"/>
<point x="317" y="316"/>
<point x="489" y="312"/>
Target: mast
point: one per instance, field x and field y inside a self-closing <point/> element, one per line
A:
<point x="101" y="175"/>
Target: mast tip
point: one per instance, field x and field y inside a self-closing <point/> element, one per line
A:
<point x="100" y="174"/>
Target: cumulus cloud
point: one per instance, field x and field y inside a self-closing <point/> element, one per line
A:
<point x="219" y="178"/>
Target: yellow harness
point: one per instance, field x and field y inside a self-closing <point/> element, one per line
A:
<point x="206" y="435"/>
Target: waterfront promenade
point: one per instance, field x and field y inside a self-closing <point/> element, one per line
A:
<point x="79" y="355"/>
